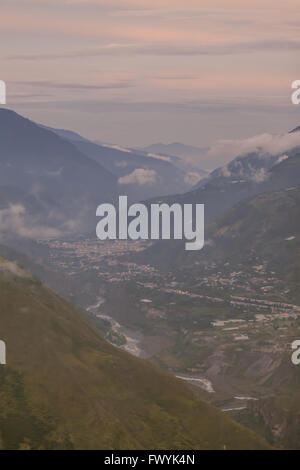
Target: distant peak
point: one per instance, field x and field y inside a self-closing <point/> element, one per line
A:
<point x="297" y="129"/>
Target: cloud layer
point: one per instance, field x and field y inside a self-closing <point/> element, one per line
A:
<point x="140" y="176"/>
<point x="224" y="61"/>
<point x="14" y="219"/>
<point x="263" y="145"/>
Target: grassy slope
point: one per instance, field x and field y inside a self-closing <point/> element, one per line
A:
<point x="66" y="387"/>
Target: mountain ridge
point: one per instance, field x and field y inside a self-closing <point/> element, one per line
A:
<point x="65" y="185"/>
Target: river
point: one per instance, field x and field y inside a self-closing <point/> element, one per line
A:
<point x="133" y="339"/>
<point x="134" y="345"/>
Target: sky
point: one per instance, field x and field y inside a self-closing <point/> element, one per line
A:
<point x="136" y="72"/>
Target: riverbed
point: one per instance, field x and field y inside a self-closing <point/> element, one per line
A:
<point x="133" y="339"/>
<point x="134" y="342"/>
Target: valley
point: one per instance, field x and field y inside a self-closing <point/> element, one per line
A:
<point x="216" y="324"/>
<point x="213" y="316"/>
<point x="150" y="228"/>
<point x="223" y="322"/>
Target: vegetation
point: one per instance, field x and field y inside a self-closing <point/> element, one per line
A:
<point x="66" y="387"/>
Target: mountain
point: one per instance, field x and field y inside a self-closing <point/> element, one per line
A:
<point x="243" y="178"/>
<point x="46" y="174"/>
<point x="279" y="418"/>
<point x="262" y="231"/>
<point x="230" y="312"/>
<point x="297" y="129"/>
<point x="190" y="159"/>
<point x="250" y="251"/>
<point x="65" y="387"/>
<point x="252" y="167"/>
<point x="178" y="149"/>
<point x="66" y="134"/>
<point x="140" y="174"/>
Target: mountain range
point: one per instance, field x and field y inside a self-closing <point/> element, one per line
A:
<point x="244" y="177"/>
<point x="140" y="174"/>
<point x="64" y="385"/>
<point x="195" y="155"/>
<point x="52" y="180"/>
<point x="47" y="185"/>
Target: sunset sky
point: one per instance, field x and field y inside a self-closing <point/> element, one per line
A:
<point x="135" y="72"/>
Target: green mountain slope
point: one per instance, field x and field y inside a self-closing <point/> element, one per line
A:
<point x="264" y="230"/>
<point x="66" y="387"/>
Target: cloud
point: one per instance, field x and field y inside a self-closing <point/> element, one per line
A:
<point x="158" y="4"/>
<point x="13" y="219"/>
<point x="55" y="173"/>
<point x="241" y="173"/>
<point x="139" y="176"/>
<point x="262" y="144"/>
<point x="192" y="178"/>
<point x="225" y="172"/>
<point x="117" y="147"/>
<point x="13" y="268"/>
<point x="214" y="105"/>
<point x="75" y="86"/>
<point x="168" y="49"/>
<point x="281" y="159"/>
<point x="121" y="164"/>
<point x="260" y="175"/>
<point x="159" y="157"/>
